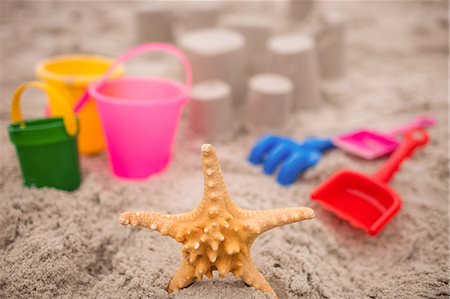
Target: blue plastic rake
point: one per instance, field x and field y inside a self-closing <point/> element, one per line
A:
<point x="291" y="157"/>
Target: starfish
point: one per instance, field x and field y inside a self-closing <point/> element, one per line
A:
<point x="217" y="235"/>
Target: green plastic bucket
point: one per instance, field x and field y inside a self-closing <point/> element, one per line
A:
<point x="47" y="147"/>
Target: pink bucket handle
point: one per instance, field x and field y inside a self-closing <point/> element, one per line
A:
<point x="149" y="47"/>
<point x="419" y="122"/>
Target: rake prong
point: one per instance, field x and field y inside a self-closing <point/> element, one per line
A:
<point x="262" y="147"/>
<point x="276" y="157"/>
<point x="296" y="164"/>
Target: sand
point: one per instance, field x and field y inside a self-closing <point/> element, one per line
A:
<point x="69" y="245"/>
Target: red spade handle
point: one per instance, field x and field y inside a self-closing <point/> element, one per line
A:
<point x="412" y="140"/>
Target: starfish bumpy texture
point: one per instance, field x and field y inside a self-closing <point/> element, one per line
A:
<point x="218" y="234"/>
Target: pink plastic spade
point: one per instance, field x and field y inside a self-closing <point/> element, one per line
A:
<point x="369" y="144"/>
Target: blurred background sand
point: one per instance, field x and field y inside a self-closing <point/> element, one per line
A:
<point x="70" y="245"/>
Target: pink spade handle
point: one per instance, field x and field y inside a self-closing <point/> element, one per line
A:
<point x="419" y="122"/>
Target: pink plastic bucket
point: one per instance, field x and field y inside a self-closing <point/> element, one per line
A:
<point x="140" y="115"/>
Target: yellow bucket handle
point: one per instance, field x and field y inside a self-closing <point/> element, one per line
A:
<point x="59" y="106"/>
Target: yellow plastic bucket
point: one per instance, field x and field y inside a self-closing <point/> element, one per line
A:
<point x="71" y="75"/>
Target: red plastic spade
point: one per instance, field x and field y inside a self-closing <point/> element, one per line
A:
<point x="368" y="202"/>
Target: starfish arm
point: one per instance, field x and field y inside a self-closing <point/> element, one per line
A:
<point x="252" y="277"/>
<point x="184" y="277"/>
<point x="214" y="189"/>
<point x="261" y="221"/>
<point x="165" y="224"/>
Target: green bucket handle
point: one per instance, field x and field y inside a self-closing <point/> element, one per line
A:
<point x="59" y="106"/>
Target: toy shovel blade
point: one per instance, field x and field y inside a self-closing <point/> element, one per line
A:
<point x="367" y="202"/>
<point x="359" y="199"/>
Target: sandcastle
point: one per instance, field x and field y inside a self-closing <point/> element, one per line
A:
<point x="217" y="235"/>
